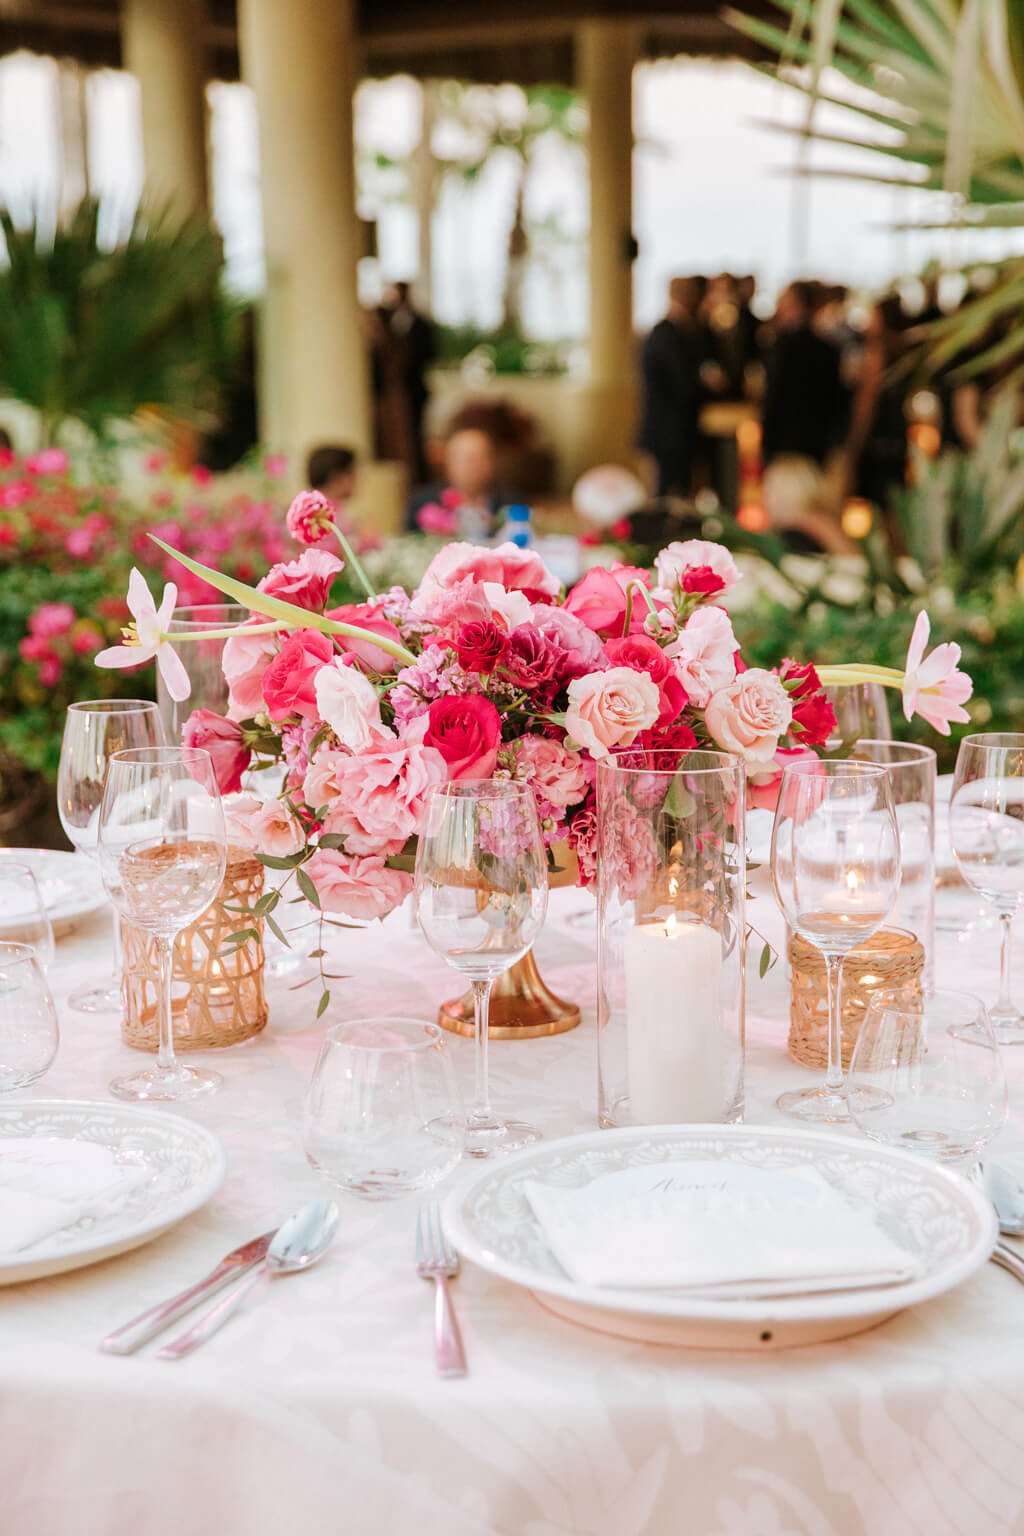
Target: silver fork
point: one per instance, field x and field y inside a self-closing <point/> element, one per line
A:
<point x="436" y="1261"/>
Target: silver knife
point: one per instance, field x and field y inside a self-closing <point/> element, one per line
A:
<point x="124" y="1341"/>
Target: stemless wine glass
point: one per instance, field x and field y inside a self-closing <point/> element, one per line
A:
<point x="986" y="828"/>
<point x="93" y="732"/>
<point x="916" y="1081"/>
<point x="23" y="914"/>
<point x="162" y="851"/>
<point x="481" y="896"/>
<point x="836" y="874"/>
<point x="28" y="1020"/>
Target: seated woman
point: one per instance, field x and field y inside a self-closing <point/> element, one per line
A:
<point x="465" y="503"/>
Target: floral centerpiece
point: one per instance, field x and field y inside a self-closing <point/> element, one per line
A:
<point x="485" y="669"/>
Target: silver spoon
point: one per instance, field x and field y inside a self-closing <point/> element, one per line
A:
<point x="304" y="1238"/>
<point x="1008" y="1198"/>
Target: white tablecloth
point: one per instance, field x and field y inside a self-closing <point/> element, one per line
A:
<point x="318" y="1410"/>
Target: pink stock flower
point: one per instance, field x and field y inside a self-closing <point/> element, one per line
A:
<point x="145" y="637"/>
<point x="556" y="773"/>
<point x="466" y="730"/>
<point x="368" y="616"/>
<point x="357" y="887"/>
<point x="49" y="461"/>
<point x="289" y="682"/>
<point x="515" y="569"/>
<point x="306" y="582"/>
<point x="696" y="565"/>
<point x="222" y="738"/>
<point x="348" y="702"/>
<point x="933" y="687"/>
<point x="309" y="517"/>
<point x="51" y="619"/>
<point x="381" y="795"/>
<point x="245" y="659"/>
<point x="610" y="709"/>
<point x="749" y="715"/>
<point x="705" y="654"/>
<point x="600" y="600"/>
<point x="433" y="675"/>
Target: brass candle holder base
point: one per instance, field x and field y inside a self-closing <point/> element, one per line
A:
<point x="523" y="1007"/>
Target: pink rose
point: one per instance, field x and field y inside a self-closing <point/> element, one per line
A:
<point x="464" y="602"/>
<point x="244" y="662"/>
<point x="515" y="569"/>
<point x="289" y="683"/>
<point x="466" y="730"/>
<point x="763" y="787"/>
<point x="610" y="709"/>
<point x="579" y="649"/>
<point x="556" y="773"/>
<point x="644" y="655"/>
<point x="348" y="702"/>
<point x="600" y="599"/>
<point x="692" y="555"/>
<point x="320" y="787"/>
<point x="265" y="826"/>
<point x="51" y="619"/>
<point x="368" y="616"/>
<point x="357" y="887"/>
<point x="705" y="654"/>
<point x="309" y="517"/>
<point x="222" y="738"/>
<point x="381" y="797"/>
<point x="749" y="715"/>
<point x="306" y="582"/>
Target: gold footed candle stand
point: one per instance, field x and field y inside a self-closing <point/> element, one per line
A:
<point x="523" y="1007"/>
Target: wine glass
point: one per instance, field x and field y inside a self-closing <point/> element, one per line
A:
<point x="481" y="896"/>
<point x="918" y="1080"/>
<point x="862" y="713"/>
<point x="23" y="914"/>
<point x="162" y="852"/>
<point x="93" y="732"/>
<point x="836" y="875"/>
<point x="28" y="1020"/>
<point x="986" y="827"/>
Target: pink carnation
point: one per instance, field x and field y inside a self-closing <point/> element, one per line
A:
<point x="579" y="649"/>
<point x="357" y="887"/>
<point x="306" y="582"/>
<point x="309" y="517"/>
<point x="705" y="654"/>
<point x="556" y="773"/>
<point x="380" y="796"/>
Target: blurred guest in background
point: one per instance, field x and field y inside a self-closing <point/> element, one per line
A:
<point x="332" y="470"/>
<point x="468" y="491"/>
<point x="672" y="390"/>
<point x="411" y="337"/>
<point x="876" y="448"/>
<point x="804" y="406"/>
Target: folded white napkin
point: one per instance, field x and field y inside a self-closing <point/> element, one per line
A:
<point x="716" y="1229"/>
<point x="49" y="1182"/>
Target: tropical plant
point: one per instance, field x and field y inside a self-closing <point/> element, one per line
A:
<point x="92" y="335"/>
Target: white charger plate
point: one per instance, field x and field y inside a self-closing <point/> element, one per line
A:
<point x="933" y="1212"/>
<point x="187" y="1164"/>
<point x="69" y="884"/>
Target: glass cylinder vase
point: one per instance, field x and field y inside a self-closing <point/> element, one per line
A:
<point x="202" y="658"/>
<point x="671" y="934"/>
<point x="912" y="781"/>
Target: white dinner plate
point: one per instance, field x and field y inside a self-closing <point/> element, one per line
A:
<point x="185" y="1163"/>
<point x="70" y="885"/>
<point x="936" y="1214"/>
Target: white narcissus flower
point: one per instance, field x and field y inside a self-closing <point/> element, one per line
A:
<point x="146" y="637"/>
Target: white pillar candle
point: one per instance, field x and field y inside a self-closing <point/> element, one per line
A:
<point x="674" y="1027"/>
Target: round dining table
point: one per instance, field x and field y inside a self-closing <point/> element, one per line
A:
<point x="318" y="1409"/>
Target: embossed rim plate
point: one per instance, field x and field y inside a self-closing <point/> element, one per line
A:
<point x="189" y="1163"/>
<point x="70" y="884"/>
<point x="937" y="1212"/>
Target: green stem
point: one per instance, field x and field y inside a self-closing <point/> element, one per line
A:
<point x="850" y="676"/>
<point x="352" y="559"/>
<point x="225" y="634"/>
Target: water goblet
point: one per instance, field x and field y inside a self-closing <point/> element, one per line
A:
<point x="481" y="895"/>
<point x="162" y="853"/>
<point x="29" y="1035"/>
<point x="835" y="866"/>
<point x="383" y="1115"/>
<point x="23" y="914"/>
<point x="918" y="1078"/>
<point x="986" y="827"/>
<point x="93" y="731"/>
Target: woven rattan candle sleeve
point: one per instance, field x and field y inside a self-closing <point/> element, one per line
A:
<point x="217" y="991"/>
<point x="892" y="959"/>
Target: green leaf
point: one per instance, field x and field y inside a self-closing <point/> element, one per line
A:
<point x="267" y="902"/>
<point x="292" y="861"/>
<point x="242" y="936"/>
<point x="765" y="962"/>
<point x="323" y="1004"/>
<point x="331" y="840"/>
<point x="679" y="802"/>
<point x="308" y="889"/>
<point x="277" y="931"/>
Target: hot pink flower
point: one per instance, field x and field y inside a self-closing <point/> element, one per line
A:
<point x="309" y="517"/>
<point x="610" y="709"/>
<point x="933" y="687"/>
<point x="579" y="649"/>
<point x="222" y="738"/>
<point x="306" y="582"/>
<point x="600" y="599"/>
<point x="245" y="659"/>
<point x="481" y="646"/>
<point x="685" y="566"/>
<point x="201" y="475"/>
<point x="86" y="641"/>
<point x="50" y="670"/>
<point x="763" y="786"/>
<point x="33" y="647"/>
<point x="466" y="730"/>
<point x="51" y="619"/>
<point x="357" y="887"/>
<point x="433" y="518"/>
<point x="705" y="654"/>
<point x="749" y="715"/>
<point x="556" y="773"/>
<point x="368" y="616"/>
<point x="381" y="796"/>
<point x="289" y="682"/>
<point x="15" y="493"/>
<point x="515" y="569"/>
<point x="49" y="461"/>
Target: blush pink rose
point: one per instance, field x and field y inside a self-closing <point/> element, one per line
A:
<point x="309" y="517"/>
<point x="381" y="795"/>
<point x="705" y="654"/>
<point x="679" y="563"/>
<point x="357" y="887"/>
<point x="245" y="659"/>
<point x="466" y="730"/>
<point x="368" y="616"/>
<point x="270" y="828"/>
<point x="600" y="599"/>
<point x="289" y="683"/>
<point x="610" y="709"/>
<point x="556" y="773"/>
<point x="347" y="701"/>
<point x="644" y="655"/>
<point x="748" y="716"/>
<point x="306" y="582"/>
<point x="515" y="569"/>
<point x="222" y="738"/>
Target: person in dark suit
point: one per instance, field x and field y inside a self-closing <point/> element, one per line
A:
<point x="804" y="407"/>
<point x="412" y="337"/>
<point x="672" y="390"/>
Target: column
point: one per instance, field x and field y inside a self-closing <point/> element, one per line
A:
<point x="162" y="45"/>
<point x="298" y="59"/>
<point x="605" y="54"/>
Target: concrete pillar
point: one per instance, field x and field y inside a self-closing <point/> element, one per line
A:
<point x="605" y="54"/>
<point x="162" y="45"/>
<point x="314" y="376"/>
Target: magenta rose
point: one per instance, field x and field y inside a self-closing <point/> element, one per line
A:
<point x="690" y="566"/>
<point x="305" y="582"/>
<point x="702" y="579"/>
<point x="368" y="616"/>
<point x="289" y="683"/>
<point x="222" y="738"/>
<point x="246" y="657"/>
<point x="309" y="517"/>
<point x="357" y="887"/>
<point x="644" y="655"/>
<point x="481" y="646"/>
<point x="466" y="730"/>
<point x="380" y="796"/>
<point x="600" y="599"/>
<point x="532" y="660"/>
